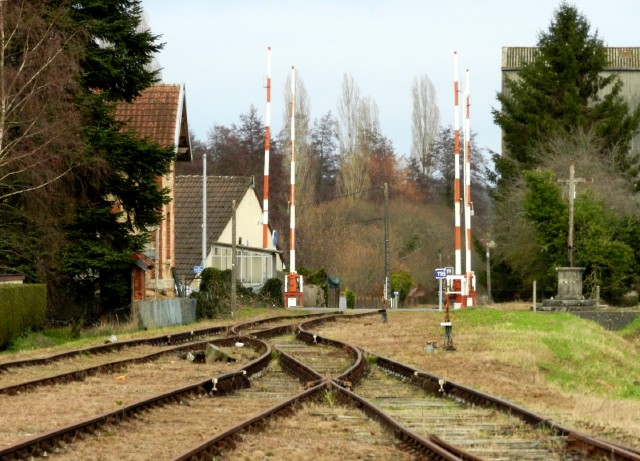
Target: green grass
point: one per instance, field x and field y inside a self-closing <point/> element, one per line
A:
<point x="73" y="337"/>
<point x="67" y="336"/>
<point x="40" y="339"/>
<point x="576" y="354"/>
<point x="632" y="331"/>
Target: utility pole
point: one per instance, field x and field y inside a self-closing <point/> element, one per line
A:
<point x="204" y="209"/>
<point x="387" y="279"/>
<point x="572" y="195"/>
<point x="233" y="258"/>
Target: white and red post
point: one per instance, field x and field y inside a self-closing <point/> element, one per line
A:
<point x="469" y="289"/>
<point x="293" y="286"/>
<point x="267" y="141"/>
<point x="456" y="289"/>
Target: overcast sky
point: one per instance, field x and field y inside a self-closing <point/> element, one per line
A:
<point x="218" y="49"/>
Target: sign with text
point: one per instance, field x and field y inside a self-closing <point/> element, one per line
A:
<point x="441" y="273"/>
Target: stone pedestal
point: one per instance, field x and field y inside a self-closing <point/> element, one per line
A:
<point x="569" y="291"/>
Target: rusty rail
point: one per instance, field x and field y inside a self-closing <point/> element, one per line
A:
<point x="425" y="447"/>
<point x="219" y="385"/>
<point x="439" y="387"/>
<point x="237" y="328"/>
<point x="226" y="441"/>
<point x="163" y="340"/>
<point x="81" y="374"/>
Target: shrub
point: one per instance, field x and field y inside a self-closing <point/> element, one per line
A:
<point x="351" y="298"/>
<point x="213" y="297"/>
<point x="22" y="307"/>
<point x="272" y="291"/>
<point x="401" y="282"/>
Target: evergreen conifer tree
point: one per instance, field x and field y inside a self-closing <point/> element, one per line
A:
<point x="562" y="89"/>
<point x="115" y="191"/>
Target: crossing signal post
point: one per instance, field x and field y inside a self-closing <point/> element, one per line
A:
<point x="454" y="286"/>
<point x="293" y="290"/>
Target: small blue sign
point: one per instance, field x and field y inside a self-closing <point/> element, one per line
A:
<point x="441" y="273"/>
<point x="197" y="269"/>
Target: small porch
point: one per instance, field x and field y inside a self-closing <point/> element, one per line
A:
<point x="254" y="266"/>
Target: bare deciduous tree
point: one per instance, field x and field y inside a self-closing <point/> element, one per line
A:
<point x="425" y="120"/>
<point x="358" y="118"/>
<point x="39" y="126"/>
<point x="306" y="166"/>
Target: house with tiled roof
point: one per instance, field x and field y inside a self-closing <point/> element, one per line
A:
<point x="159" y="114"/>
<point x="254" y="264"/>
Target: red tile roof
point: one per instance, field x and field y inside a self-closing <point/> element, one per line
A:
<point x="156" y="114"/>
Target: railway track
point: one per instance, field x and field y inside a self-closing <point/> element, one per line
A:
<point x="162" y="340"/>
<point x="298" y="376"/>
<point x="76" y="365"/>
<point x="482" y="432"/>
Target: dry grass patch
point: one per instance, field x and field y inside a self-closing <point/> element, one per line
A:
<point x="320" y="432"/>
<point x="47" y="408"/>
<point x="556" y="364"/>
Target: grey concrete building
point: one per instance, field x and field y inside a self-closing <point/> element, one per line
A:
<point x="624" y="61"/>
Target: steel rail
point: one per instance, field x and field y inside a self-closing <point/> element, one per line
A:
<point x="237" y="328"/>
<point x="439" y="387"/>
<point x="353" y="373"/>
<point x="226" y="440"/>
<point x="219" y="385"/>
<point x="425" y="447"/>
<point x="162" y="340"/>
<point x="302" y="372"/>
<point x="81" y="374"/>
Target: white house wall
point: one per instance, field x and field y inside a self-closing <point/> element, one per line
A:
<point x="248" y="224"/>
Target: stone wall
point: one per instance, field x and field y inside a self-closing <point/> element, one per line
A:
<point x="609" y="320"/>
<point x="313" y="296"/>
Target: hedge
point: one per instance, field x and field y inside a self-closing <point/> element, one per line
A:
<point x="22" y="307"/>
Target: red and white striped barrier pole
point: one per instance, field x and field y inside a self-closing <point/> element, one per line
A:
<point x="293" y="290"/>
<point x="456" y="189"/>
<point x="292" y="192"/>
<point x="267" y="141"/>
<point x="469" y="291"/>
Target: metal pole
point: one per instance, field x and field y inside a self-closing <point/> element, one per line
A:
<point x="456" y="154"/>
<point x="233" y="258"/>
<point x="292" y="192"/>
<point x="469" y="292"/>
<point x="387" y="262"/>
<point x="267" y="140"/>
<point x="204" y="209"/>
<point x="456" y="189"/>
